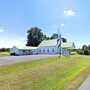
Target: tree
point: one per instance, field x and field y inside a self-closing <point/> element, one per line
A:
<point x="4" y="49"/>
<point x="84" y="47"/>
<point x="48" y="38"/>
<point x="45" y="37"/>
<point x="79" y="51"/>
<point x="86" y="52"/>
<point x="54" y="36"/>
<point x="64" y="39"/>
<point x="35" y="36"/>
<point x="89" y="46"/>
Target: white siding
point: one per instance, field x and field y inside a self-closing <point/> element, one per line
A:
<point x="47" y="50"/>
<point x="40" y="50"/>
<point x="14" y="50"/>
<point x="34" y="51"/>
<point x="24" y="52"/>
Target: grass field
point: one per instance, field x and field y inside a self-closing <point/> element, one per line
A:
<point x="47" y="74"/>
<point x="4" y="53"/>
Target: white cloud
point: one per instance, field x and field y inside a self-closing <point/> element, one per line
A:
<point x="1" y="29"/>
<point x="22" y="38"/>
<point x="69" y="13"/>
<point x="62" y="24"/>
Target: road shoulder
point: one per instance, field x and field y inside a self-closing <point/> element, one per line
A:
<point x="85" y="85"/>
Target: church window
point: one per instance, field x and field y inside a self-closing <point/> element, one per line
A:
<point x="43" y="50"/>
<point x="23" y="50"/>
<point x="52" y="50"/>
<point x="47" y="50"/>
<point x="39" y="50"/>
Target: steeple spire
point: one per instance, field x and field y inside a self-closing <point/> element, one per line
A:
<point x="59" y="42"/>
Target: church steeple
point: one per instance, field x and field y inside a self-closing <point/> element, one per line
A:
<point x="59" y="42"/>
<point x="59" y="38"/>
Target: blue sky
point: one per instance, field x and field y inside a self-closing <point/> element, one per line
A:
<point x="71" y="16"/>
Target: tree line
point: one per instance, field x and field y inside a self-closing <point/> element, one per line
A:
<point x="35" y="36"/>
<point x="4" y="49"/>
<point x="85" y="50"/>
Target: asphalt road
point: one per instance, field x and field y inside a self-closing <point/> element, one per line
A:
<point x="85" y="85"/>
<point x="7" y="60"/>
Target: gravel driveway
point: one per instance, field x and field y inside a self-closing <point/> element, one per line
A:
<point x="7" y="60"/>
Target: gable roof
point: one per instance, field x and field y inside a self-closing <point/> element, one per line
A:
<point x="52" y="42"/>
<point x="68" y="45"/>
<point x="25" y="47"/>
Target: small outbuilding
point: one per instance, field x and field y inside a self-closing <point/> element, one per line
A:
<point x="23" y="50"/>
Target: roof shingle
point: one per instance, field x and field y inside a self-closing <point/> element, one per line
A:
<point x="25" y="47"/>
<point x="52" y="42"/>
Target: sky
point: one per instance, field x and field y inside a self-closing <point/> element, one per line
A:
<point x="72" y="17"/>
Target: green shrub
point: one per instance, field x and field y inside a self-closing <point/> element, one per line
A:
<point x="80" y="52"/>
<point x="86" y="52"/>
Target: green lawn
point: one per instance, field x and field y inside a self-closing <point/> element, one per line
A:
<point x="4" y="53"/>
<point x="47" y="74"/>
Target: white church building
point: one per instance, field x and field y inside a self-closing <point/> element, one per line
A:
<point x="53" y="46"/>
